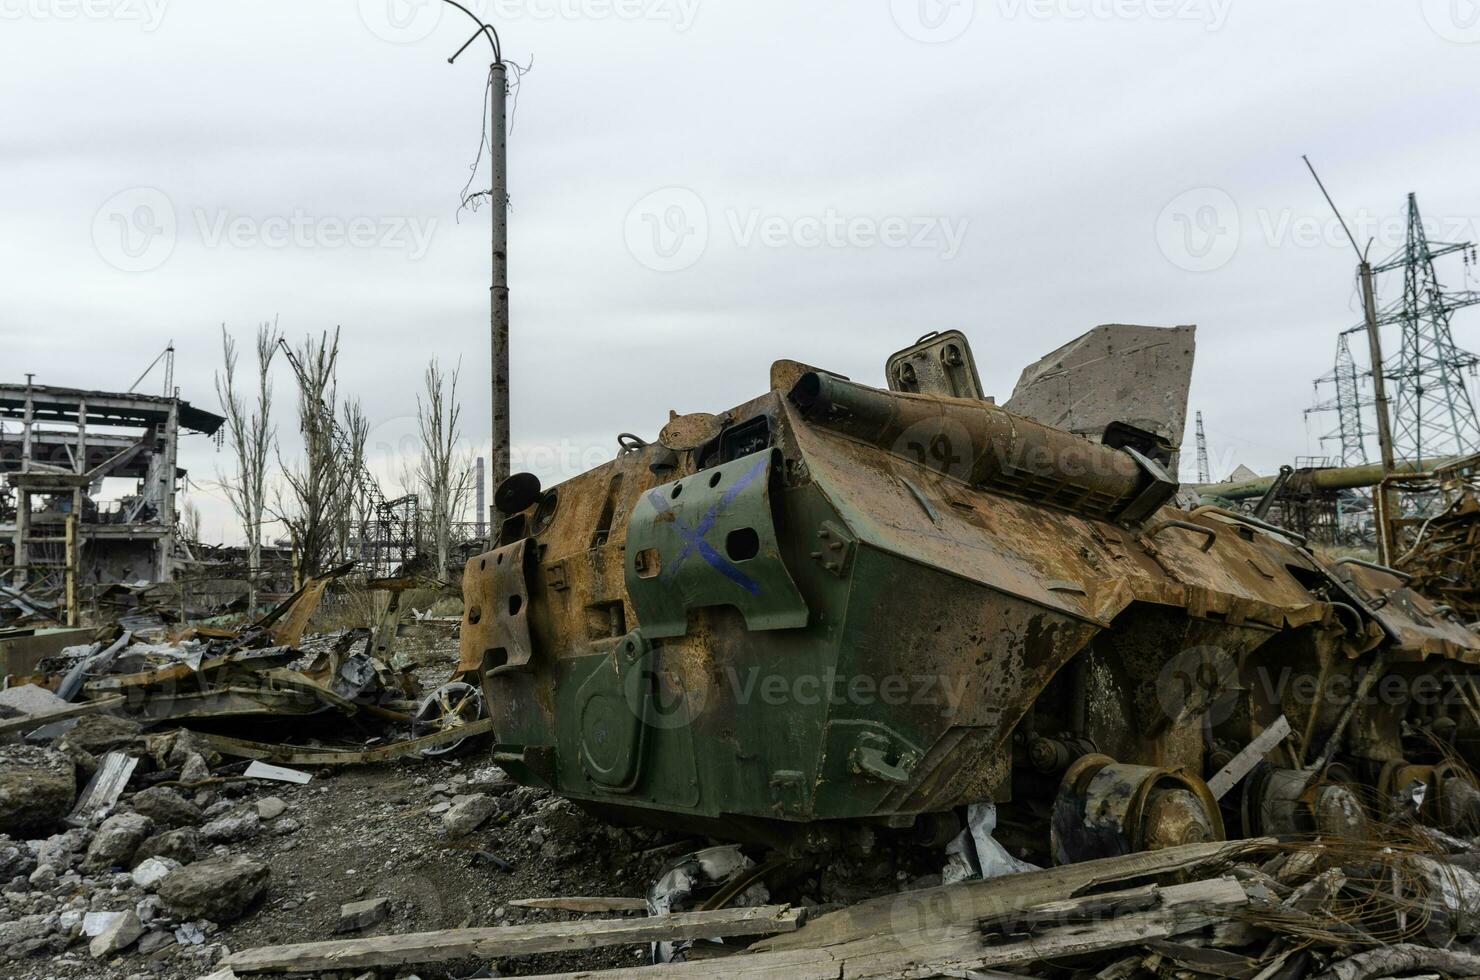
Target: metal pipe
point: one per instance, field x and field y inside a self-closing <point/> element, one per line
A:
<point x="499" y="325"/>
<point x="1325" y="478"/>
<point x="981" y="444"/>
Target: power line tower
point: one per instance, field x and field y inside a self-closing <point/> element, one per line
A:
<point x="1434" y="415"/>
<point x="1348" y="403"/>
<point x="1204" y="471"/>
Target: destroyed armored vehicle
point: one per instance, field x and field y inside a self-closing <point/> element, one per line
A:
<point x="836" y="609"/>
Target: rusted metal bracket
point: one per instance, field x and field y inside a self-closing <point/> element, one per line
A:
<point x="496" y="623"/>
<point x="1209" y="533"/>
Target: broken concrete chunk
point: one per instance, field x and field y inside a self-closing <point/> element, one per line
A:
<point x="270" y="807"/>
<point x="37" y="787"/>
<point x="468" y="813"/>
<point x="167" y="808"/>
<point x="116" y="841"/>
<point x="121" y="933"/>
<point x="151" y="871"/>
<point x="195" y="769"/>
<point x="219" y="889"/>
<point x="25" y="929"/>
<point x="182" y="845"/>
<point x="97" y="734"/>
<point x="362" y="915"/>
<point x="241" y="825"/>
<point x="30" y="699"/>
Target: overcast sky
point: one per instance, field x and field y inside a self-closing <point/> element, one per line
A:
<point x="700" y="187"/>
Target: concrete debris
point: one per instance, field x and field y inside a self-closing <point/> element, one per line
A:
<point x="122" y="932"/>
<point x="151" y="871"/>
<point x="167" y="808"/>
<point x="362" y="915"/>
<point x="468" y="813"/>
<point x="116" y="841"/>
<point x="37" y="788"/>
<point x="219" y="889"/>
<point x="270" y="807"/>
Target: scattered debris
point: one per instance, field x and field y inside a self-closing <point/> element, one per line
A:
<point x="261" y="770"/>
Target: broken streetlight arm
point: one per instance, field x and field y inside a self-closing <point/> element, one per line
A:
<point x="487" y="30"/>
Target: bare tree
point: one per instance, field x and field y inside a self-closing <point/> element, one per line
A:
<point x="190" y="525"/>
<point x="443" y="477"/>
<point x="356" y="506"/>
<point x="251" y="435"/>
<point x="318" y="485"/>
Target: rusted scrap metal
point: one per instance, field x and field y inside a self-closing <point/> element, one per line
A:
<point x="1115" y="373"/>
<point x="1445" y="560"/>
<point x="297" y="756"/>
<point x="285" y="624"/>
<point x="549" y="937"/>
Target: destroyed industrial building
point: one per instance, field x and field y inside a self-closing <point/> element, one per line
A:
<point x="60" y="450"/>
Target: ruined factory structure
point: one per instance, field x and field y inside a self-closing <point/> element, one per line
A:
<point x="90" y="483"/>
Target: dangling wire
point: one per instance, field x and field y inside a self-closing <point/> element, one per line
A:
<point x="469" y="199"/>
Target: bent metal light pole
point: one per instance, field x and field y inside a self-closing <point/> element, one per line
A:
<point x="499" y="289"/>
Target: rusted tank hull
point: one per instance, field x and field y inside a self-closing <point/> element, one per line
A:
<point x="862" y="606"/>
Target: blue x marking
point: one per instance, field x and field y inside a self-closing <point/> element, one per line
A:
<point x="693" y="537"/>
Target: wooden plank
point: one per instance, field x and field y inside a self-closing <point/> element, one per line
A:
<point x="578" y="904"/>
<point x="970" y="901"/>
<point x="892" y="956"/>
<point x="798" y="964"/>
<point x="71" y="711"/>
<point x="1250" y="756"/>
<point x="487" y="943"/>
<point x="292" y="755"/>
